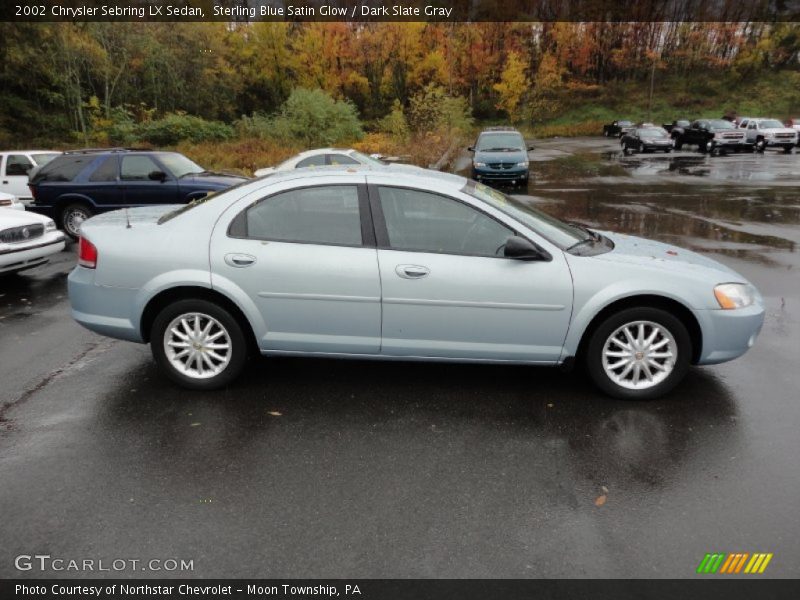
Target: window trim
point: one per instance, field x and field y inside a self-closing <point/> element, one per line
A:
<point x="382" y="232"/>
<point x="364" y="217"/>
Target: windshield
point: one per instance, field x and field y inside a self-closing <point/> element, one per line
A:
<point x="178" y="164"/>
<point x="722" y="124"/>
<point x="366" y="160"/>
<point x="625" y="123"/>
<point x="42" y="159"/>
<point x="500" y="142"/>
<point x="561" y="234"/>
<point x="771" y="124"/>
<point x="653" y="133"/>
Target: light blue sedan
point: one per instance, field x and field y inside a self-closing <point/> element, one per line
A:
<point x="370" y="263"/>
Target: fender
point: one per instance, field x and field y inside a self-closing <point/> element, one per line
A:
<point x="163" y="282"/>
<point x="237" y="295"/>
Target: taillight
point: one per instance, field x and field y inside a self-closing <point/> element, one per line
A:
<point x="87" y="254"/>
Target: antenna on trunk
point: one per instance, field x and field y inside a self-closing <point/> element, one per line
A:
<point x="127" y="219"/>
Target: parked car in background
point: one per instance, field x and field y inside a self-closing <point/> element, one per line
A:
<point x="16" y="165"/>
<point x="795" y="124"/>
<point x="26" y="240"/>
<point x="78" y="184"/>
<point x="712" y="135"/>
<point x="617" y="128"/>
<point x="322" y="157"/>
<point x="676" y="127"/>
<point x="368" y="262"/>
<point x="769" y="133"/>
<point x="645" y="139"/>
<point x="500" y="154"/>
<point x="10" y="201"/>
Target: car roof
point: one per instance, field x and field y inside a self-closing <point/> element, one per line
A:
<point x="30" y="152"/>
<point x="316" y="151"/>
<point x="490" y="130"/>
<point x="440" y="177"/>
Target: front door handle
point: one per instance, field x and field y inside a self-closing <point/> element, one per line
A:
<point x="240" y="260"/>
<point x="412" y="271"/>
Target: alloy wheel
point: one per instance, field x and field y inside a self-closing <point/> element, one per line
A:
<point x="639" y="355"/>
<point x="197" y="345"/>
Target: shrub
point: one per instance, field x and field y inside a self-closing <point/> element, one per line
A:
<point x="395" y="123"/>
<point x="433" y="109"/>
<point x="178" y="127"/>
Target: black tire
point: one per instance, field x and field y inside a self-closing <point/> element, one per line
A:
<point x="787" y="149"/>
<point x="237" y="354"/>
<point x="760" y="145"/>
<point x="641" y="149"/>
<point x="678" y="144"/>
<point x="594" y="352"/>
<point x="605" y="132"/>
<point x="72" y="216"/>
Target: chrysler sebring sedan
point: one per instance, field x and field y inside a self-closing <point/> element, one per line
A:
<point x="368" y="263"/>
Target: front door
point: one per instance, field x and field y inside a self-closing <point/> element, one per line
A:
<point x="308" y="263"/>
<point x="138" y="187"/>
<point x="449" y="292"/>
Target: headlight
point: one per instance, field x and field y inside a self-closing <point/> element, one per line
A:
<point x="524" y="163"/>
<point x="734" y="295"/>
<point x="50" y="226"/>
<point x="769" y="134"/>
<point x="475" y="163"/>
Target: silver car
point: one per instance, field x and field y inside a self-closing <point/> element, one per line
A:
<point x="370" y="263"/>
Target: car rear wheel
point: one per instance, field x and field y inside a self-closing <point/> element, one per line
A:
<point x="638" y="353"/>
<point x="760" y="145"/>
<point x="72" y="217"/>
<point x="198" y="344"/>
<point x="641" y="148"/>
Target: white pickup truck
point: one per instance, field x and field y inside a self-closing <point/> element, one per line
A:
<point x="14" y="168"/>
<point x="769" y="133"/>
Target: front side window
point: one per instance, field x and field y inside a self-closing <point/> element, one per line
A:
<point x="138" y="168"/>
<point x="18" y="164"/>
<point x="316" y="215"/>
<point x="426" y="222"/>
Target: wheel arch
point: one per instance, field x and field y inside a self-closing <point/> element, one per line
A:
<point x="189" y="292"/>
<point x="679" y="310"/>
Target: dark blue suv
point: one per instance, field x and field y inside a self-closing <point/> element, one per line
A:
<point x="76" y="185"/>
<point x="500" y="154"/>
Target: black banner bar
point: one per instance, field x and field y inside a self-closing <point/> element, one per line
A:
<point x="400" y="10"/>
<point x="705" y="587"/>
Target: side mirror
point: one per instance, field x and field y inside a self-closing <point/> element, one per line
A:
<point x="530" y="148"/>
<point x="157" y="176"/>
<point x="521" y="249"/>
<point x="471" y="149"/>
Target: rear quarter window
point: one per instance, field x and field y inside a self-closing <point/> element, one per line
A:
<point x="63" y="168"/>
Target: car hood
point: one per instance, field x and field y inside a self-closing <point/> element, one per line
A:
<point x="778" y="130"/>
<point x="631" y="249"/>
<point x="496" y="157"/>
<point x="11" y="217"/>
<point x="212" y="180"/>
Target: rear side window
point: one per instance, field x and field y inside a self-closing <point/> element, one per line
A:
<point x="64" y="168"/>
<point x="107" y="171"/>
<point x="312" y="161"/>
<point x="341" y="159"/>
<point x="317" y="215"/>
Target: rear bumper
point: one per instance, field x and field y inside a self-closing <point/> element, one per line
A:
<point x="727" y="334"/>
<point x="102" y="309"/>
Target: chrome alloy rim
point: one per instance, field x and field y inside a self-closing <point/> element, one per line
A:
<point x="74" y="220"/>
<point x="197" y="345"/>
<point x="639" y="355"/>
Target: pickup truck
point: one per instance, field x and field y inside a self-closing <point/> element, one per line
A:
<point x="676" y="126"/>
<point x="769" y="133"/>
<point x="712" y="136"/>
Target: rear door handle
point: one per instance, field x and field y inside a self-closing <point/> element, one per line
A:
<point x="240" y="260"/>
<point x="412" y="271"/>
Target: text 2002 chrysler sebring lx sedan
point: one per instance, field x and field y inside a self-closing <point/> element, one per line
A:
<point x="363" y="262"/>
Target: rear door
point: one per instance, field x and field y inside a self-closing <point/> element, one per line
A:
<point x="305" y="258"/>
<point x="448" y="291"/>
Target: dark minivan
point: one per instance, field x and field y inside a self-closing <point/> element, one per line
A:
<point x="78" y="184"/>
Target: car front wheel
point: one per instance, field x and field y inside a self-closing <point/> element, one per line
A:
<point x="198" y="344"/>
<point x="638" y="353"/>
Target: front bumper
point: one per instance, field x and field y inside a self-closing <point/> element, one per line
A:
<point x="102" y="309"/>
<point x="18" y="257"/>
<point x="486" y="173"/>
<point x="729" y="143"/>
<point x="780" y="142"/>
<point x="727" y="334"/>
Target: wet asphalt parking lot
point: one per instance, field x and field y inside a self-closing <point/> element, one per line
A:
<point x="316" y="468"/>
